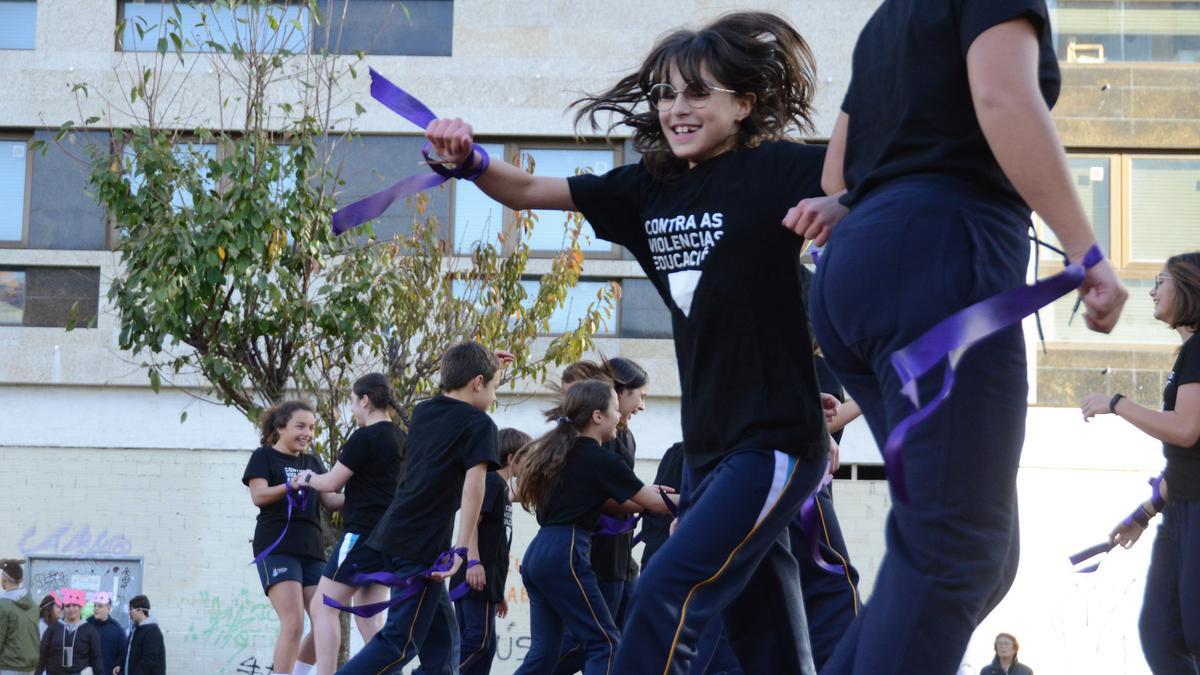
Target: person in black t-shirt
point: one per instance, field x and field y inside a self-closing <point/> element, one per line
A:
<point x="1170" y="622"/>
<point x="478" y="610"/>
<point x="612" y="554"/>
<point x="288" y="549"/>
<point x="369" y="467"/>
<point x="700" y="212"/>
<point x="943" y="145"/>
<point x="567" y="479"/>
<point x="451" y="447"/>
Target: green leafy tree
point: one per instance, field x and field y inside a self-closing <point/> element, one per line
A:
<point x="229" y="272"/>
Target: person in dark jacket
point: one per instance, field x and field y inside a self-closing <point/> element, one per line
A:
<point x="145" y="654"/>
<point x="112" y="633"/>
<point x="71" y="645"/>
<point x="1005" y="662"/>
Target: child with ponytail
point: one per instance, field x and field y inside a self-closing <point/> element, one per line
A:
<point x="568" y="480"/>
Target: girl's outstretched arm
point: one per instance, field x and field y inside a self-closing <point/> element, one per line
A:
<point x="453" y="140"/>
<point x="1180" y="427"/>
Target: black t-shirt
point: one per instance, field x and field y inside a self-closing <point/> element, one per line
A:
<point x="909" y="99"/>
<point x="1183" y="464"/>
<point x="375" y="454"/>
<point x="712" y="244"/>
<point x="611" y="555"/>
<point x="495" y="540"/>
<point x="304" y="534"/>
<point x="591" y="475"/>
<point x="445" y="439"/>
<point x="656" y="527"/>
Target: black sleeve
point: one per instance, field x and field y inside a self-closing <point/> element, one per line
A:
<point x="154" y="654"/>
<point x="258" y="467"/>
<point x="1188" y="371"/>
<point x="480" y="444"/>
<point x="616" y="480"/>
<point x="798" y="169"/>
<point x="612" y="202"/>
<point x="976" y="16"/>
<point x="356" y="452"/>
<point x="670" y="468"/>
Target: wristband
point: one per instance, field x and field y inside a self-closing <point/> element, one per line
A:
<point x="1156" y="498"/>
<point x="308" y="478"/>
<point x="1112" y="403"/>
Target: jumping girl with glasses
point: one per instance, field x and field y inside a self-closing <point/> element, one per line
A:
<point x="710" y="111"/>
<point x="1170" y="622"/>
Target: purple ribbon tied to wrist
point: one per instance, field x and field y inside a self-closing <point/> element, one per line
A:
<point x="404" y="588"/>
<point x="953" y="336"/>
<point x="1139" y="516"/>
<point x="407" y="106"/>
<point x="296" y="499"/>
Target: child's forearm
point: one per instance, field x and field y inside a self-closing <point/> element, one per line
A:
<point x="472" y="502"/>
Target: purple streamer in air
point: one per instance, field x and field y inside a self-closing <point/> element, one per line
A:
<point x="296" y="499"/>
<point x="1137" y="516"/>
<point x="950" y="339"/>
<point x="407" y="106"/>
<point x="404" y="588"/>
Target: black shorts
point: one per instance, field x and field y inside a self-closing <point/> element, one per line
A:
<point x="279" y="567"/>
<point x="351" y="557"/>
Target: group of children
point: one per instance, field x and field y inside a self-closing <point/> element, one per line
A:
<point x="923" y="197"/>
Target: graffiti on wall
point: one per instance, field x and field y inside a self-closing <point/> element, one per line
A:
<point x="73" y="540"/>
<point x="231" y="625"/>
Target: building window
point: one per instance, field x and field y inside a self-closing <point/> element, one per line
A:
<point x="1145" y="209"/>
<point x="208" y="28"/>
<point x="1164" y="208"/>
<point x="385" y="27"/>
<point x="14" y="191"/>
<point x="49" y="296"/>
<point x="566" y="318"/>
<point x="12" y="297"/>
<point x="191" y="157"/>
<point x="1100" y="31"/>
<point x="477" y="218"/>
<point x="18" y="24"/>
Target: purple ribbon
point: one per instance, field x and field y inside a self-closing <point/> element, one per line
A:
<point x="611" y="526"/>
<point x="1138" y="516"/>
<point x="950" y="339"/>
<point x="407" y="106"/>
<point x="810" y="524"/>
<point x="404" y="588"/>
<point x="296" y="499"/>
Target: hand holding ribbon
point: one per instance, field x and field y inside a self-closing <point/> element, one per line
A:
<point x="297" y="498"/>
<point x="1127" y="532"/>
<point x="947" y="341"/>
<point x="405" y="105"/>
<point x="404" y="588"/>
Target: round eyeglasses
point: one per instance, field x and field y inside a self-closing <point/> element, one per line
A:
<point x="663" y="96"/>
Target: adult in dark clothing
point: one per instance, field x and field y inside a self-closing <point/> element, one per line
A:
<point x="657" y="527"/>
<point x="944" y="145"/>
<point x="112" y="633"/>
<point x="18" y="622"/>
<point x="145" y="654"/>
<point x="1005" y="662"/>
<point x="71" y="645"/>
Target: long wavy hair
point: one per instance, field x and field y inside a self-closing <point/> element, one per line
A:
<point x="754" y="53"/>
<point x="539" y="465"/>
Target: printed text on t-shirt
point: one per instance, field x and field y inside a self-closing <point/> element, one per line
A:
<point x="683" y="242"/>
